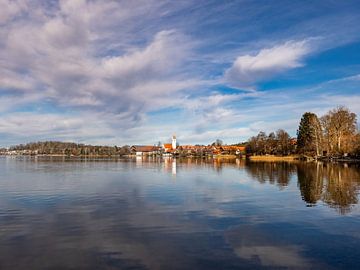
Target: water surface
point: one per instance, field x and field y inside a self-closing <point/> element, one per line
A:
<point x="177" y="214"/>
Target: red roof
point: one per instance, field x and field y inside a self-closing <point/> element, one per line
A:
<point x="167" y="145"/>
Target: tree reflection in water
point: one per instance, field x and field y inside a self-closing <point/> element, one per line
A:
<point x="336" y="185"/>
<point x="273" y="172"/>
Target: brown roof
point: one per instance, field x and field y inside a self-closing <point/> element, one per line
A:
<point x="293" y="141"/>
<point x="187" y="147"/>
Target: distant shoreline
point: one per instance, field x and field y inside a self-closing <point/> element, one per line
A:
<point x="255" y="158"/>
<point x="61" y="155"/>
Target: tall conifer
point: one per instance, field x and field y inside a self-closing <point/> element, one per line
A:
<point x="309" y="140"/>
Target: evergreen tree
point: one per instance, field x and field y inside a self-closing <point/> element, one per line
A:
<point x="309" y="135"/>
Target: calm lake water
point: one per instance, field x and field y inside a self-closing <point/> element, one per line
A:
<point x="177" y="214"/>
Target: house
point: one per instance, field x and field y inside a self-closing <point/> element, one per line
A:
<point x="141" y="150"/>
<point x="167" y="148"/>
<point x="230" y="149"/>
<point x="293" y="141"/>
<point x="195" y="149"/>
<point x="187" y="149"/>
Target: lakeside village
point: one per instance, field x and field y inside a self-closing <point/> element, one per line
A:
<point x="170" y="149"/>
<point x="174" y="149"/>
<point x="334" y="136"/>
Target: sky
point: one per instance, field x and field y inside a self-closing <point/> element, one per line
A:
<point x="137" y="72"/>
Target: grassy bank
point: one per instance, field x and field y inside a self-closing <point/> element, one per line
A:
<point x="274" y="158"/>
<point x="225" y="156"/>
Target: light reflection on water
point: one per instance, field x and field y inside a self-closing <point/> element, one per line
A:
<point x="59" y="213"/>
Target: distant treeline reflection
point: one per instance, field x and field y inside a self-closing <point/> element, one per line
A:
<point x="275" y="173"/>
<point x="336" y="185"/>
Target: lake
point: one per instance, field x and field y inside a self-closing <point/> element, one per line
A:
<point x="60" y="213"/>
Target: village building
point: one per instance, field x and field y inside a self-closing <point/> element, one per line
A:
<point x="167" y="147"/>
<point x="293" y="141"/>
<point x="231" y="149"/>
<point x="143" y="150"/>
<point x="170" y="147"/>
<point x="187" y="149"/>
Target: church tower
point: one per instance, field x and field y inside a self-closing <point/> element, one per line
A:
<point x="174" y="142"/>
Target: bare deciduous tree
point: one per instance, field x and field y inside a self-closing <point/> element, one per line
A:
<point x="339" y="129"/>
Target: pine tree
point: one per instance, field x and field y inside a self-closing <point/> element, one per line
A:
<point x="309" y="140"/>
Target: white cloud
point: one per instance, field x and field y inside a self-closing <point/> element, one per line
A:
<point x="112" y="65"/>
<point x="247" y="70"/>
<point x="351" y="101"/>
<point x="281" y="256"/>
<point x="9" y="9"/>
<point x="10" y="81"/>
<point x="155" y="62"/>
<point x="34" y="126"/>
<point x="58" y="56"/>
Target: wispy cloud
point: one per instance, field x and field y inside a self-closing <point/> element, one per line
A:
<point x="10" y="9"/>
<point x="127" y="72"/>
<point x="247" y="70"/>
<point x="60" y="60"/>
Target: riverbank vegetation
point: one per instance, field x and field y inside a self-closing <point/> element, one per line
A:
<point x="279" y="143"/>
<point x="333" y="136"/>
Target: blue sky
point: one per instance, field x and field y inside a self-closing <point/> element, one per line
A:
<point x="130" y="72"/>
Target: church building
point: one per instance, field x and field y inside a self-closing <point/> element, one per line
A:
<point x="170" y="147"/>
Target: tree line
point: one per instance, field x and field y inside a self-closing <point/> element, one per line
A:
<point x="69" y="148"/>
<point x="279" y="143"/>
<point x="333" y="134"/>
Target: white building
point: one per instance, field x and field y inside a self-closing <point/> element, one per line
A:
<point x="173" y="142"/>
